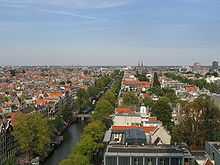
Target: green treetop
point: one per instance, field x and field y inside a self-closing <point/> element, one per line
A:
<point x="32" y="133"/>
<point x="130" y="99"/>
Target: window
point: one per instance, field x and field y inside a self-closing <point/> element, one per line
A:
<point x="111" y="160"/>
<point x="137" y="161"/>
<point x="163" y="161"/>
<point x="124" y="161"/>
<point x="176" y="161"/>
<point x="150" y="161"/>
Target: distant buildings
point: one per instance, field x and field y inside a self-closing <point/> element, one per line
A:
<point x="141" y="69"/>
<point x="138" y="138"/>
<point x="215" y="66"/>
<point x="42" y="89"/>
<point x="131" y="83"/>
<point x="212" y="79"/>
<point x="196" y="67"/>
<point x="37" y="88"/>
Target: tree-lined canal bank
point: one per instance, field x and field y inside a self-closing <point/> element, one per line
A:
<point x="71" y="138"/>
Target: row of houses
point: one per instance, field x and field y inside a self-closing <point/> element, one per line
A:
<point x="138" y="138"/>
<point x="8" y="147"/>
<point x="128" y="118"/>
<point x="38" y="87"/>
<point x="33" y="89"/>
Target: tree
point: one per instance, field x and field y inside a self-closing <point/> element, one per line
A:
<point x="87" y="146"/>
<point x="82" y="101"/>
<point x="67" y="113"/>
<point x="32" y="133"/>
<point x="6" y="98"/>
<point x="82" y="94"/>
<point x="130" y="99"/>
<point x="171" y="94"/>
<point x="200" y="123"/>
<point x="156" y="82"/>
<point x="111" y="97"/>
<point x="116" y="87"/>
<point x="91" y="140"/>
<point x="102" y="82"/>
<point x="11" y="161"/>
<point x="96" y="129"/>
<point x="103" y="109"/>
<point x="76" y="159"/>
<point x="57" y="123"/>
<point x="163" y="111"/>
<point x="148" y="102"/>
<point x="142" y="77"/>
<point x="156" y="91"/>
<point x="92" y="91"/>
<point x="201" y="83"/>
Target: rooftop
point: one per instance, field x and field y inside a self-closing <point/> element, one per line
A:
<point x="149" y="129"/>
<point x="216" y="145"/>
<point x="124" y="111"/>
<point x="162" y="150"/>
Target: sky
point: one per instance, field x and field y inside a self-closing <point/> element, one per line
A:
<point x="109" y="32"/>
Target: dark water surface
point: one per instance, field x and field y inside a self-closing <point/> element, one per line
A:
<point x="71" y="138"/>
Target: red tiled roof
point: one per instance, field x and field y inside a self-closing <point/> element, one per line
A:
<point x="55" y="94"/>
<point x="145" y="84"/>
<point x="137" y="83"/>
<point x="7" y="85"/>
<point x="150" y="129"/>
<point x="130" y="82"/>
<point x="13" y="116"/>
<point x="208" y="162"/>
<point x="41" y="102"/>
<point x="124" y="111"/>
<point x="152" y="119"/>
<point x="191" y="88"/>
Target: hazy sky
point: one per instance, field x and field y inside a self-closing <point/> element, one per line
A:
<point x="109" y="32"/>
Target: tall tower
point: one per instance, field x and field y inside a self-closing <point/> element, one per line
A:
<point x="215" y="65"/>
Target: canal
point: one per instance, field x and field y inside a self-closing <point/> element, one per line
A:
<point x="71" y="138"/>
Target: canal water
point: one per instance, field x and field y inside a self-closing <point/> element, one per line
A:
<point x="71" y="138"/>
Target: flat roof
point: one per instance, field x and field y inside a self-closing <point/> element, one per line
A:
<point x="148" y="150"/>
